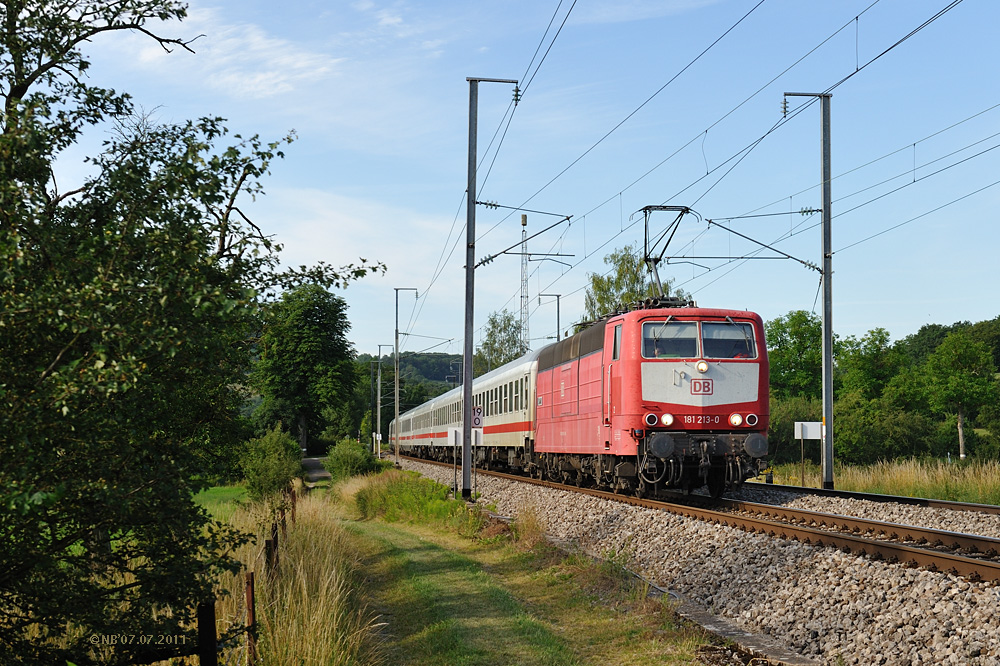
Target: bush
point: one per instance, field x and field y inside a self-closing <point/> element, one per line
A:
<point x="349" y="458"/>
<point x="782" y="445"/>
<point x="407" y="496"/>
<point x="270" y="463"/>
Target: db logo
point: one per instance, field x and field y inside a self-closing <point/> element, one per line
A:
<point x="701" y="387"/>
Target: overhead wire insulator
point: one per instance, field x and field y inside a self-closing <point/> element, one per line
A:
<point x="784" y="107"/>
<point x="517" y="94"/>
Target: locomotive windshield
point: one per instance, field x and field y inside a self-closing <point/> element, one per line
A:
<point x="680" y="339"/>
<point x="727" y="340"/>
<point x="670" y="339"/>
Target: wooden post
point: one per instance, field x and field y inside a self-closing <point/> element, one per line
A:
<point x="207" y="640"/>
<point x="251" y="621"/>
<point x="284" y="529"/>
<point x="270" y="563"/>
<point x="294" y="500"/>
<point x="274" y="538"/>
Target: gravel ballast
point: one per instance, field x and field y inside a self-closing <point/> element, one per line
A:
<point x="821" y="603"/>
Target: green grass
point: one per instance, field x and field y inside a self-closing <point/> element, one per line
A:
<point x="968" y="481"/>
<point x="424" y="580"/>
<point x="221" y="502"/>
<point x="505" y="596"/>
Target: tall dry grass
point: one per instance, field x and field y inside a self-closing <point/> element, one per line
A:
<point x="528" y="527"/>
<point x="969" y="481"/>
<point x="309" y="611"/>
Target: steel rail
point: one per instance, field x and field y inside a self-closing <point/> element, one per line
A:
<point x="924" y="502"/>
<point x="892" y="552"/>
<point x="970" y="543"/>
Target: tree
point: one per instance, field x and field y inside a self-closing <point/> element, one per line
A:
<point x="960" y="377"/>
<point x="920" y="345"/>
<point x="795" y="354"/>
<point x="628" y="281"/>
<point x="306" y="363"/>
<point x="866" y="366"/>
<point x="126" y="306"/>
<point x="270" y="462"/>
<point x="501" y="344"/>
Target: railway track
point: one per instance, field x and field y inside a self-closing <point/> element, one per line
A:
<point x="970" y="556"/>
<point x="871" y="497"/>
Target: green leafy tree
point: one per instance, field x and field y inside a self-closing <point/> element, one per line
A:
<point x="872" y="430"/>
<point x="920" y="345"/>
<point x="306" y="363"/>
<point x="781" y="428"/>
<point x="794" y="351"/>
<point x="866" y="366"/>
<point x="961" y="378"/>
<point x="270" y="462"/>
<point x="988" y="332"/>
<point x="501" y="343"/>
<point x="626" y="282"/>
<point x="126" y="304"/>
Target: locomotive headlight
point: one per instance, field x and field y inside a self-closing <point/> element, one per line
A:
<point x="735" y="420"/>
<point x="651" y="419"/>
<point x="667" y="419"/>
<point x="702" y="366"/>
<point x="751" y="420"/>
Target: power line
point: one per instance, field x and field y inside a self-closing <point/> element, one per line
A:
<point x="717" y="122"/>
<point x="742" y="154"/>
<point x="508" y="116"/>
<point x="913" y="219"/>
<point x="629" y="116"/>
<point x="519" y="94"/>
<point x="554" y="38"/>
<point x="886" y="156"/>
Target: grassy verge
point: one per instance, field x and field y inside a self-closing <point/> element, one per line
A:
<point x="970" y="481"/>
<point x="311" y="611"/>
<point x="387" y="570"/>
<point x="456" y="588"/>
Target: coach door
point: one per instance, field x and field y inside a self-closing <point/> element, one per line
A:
<point x="612" y="380"/>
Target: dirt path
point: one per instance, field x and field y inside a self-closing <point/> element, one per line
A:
<point x="314" y="471"/>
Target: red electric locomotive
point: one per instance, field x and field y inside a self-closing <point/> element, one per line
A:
<point x="667" y="395"/>
<point x="673" y="397"/>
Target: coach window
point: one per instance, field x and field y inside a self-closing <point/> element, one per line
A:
<point x="670" y="339"/>
<point x="617" y="349"/>
<point x="727" y="339"/>
<point x="517" y="395"/>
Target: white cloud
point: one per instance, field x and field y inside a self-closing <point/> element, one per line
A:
<point x="242" y="60"/>
<point x="387" y="18"/>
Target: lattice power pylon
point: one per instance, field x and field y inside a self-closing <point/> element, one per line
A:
<point x="524" y="282"/>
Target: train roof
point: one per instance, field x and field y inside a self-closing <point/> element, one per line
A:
<point x="456" y="393"/>
<point x="721" y="313"/>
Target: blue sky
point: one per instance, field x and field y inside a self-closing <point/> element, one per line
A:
<point x="377" y="94"/>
